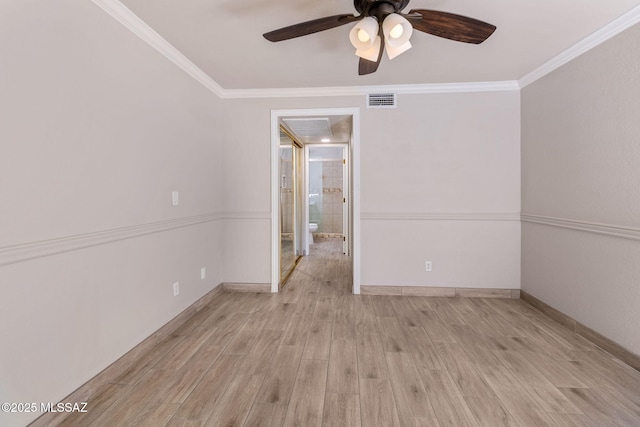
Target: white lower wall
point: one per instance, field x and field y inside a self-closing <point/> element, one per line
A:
<point x="246" y="249"/>
<point x="463" y="253"/>
<point x="591" y="277"/>
<point x="68" y="316"/>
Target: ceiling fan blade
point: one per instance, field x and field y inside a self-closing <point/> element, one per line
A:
<point x="368" y="67"/>
<point x="310" y="27"/>
<point x="450" y="26"/>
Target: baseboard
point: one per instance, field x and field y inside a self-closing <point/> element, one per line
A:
<point x="431" y="291"/>
<point x="598" y="339"/>
<point x="246" y="287"/>
<point x="86" y="391"/>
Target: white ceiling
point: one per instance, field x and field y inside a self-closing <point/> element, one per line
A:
<point x="224" y="39"/>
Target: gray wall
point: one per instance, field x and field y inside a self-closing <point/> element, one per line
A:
<point x="440" y="181"/>
<point x="581" y="189"/>
<point x="96" y="130"/>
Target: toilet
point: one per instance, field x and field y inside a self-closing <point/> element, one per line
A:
<point x="312" y="229"/>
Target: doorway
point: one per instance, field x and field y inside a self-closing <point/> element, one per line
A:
<point x="329" y="205"/>
<point x="351" y="204"/>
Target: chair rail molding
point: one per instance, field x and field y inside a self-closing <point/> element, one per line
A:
<point x="441" y="216"/>
<point x="612" y="230"/>
<point x="32" y="250"/>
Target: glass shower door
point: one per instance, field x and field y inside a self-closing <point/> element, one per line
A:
<point x="290" y="213"/>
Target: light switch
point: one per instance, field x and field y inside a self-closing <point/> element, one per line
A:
<point x="174" y="198"/>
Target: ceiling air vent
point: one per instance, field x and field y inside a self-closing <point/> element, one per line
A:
<point x="381" y="100"/>
<point x="312" y="127"/>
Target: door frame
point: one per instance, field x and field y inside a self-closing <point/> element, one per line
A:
<point x="354" y="157"/>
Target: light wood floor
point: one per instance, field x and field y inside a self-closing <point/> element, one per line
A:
<point x="315" y="355"/>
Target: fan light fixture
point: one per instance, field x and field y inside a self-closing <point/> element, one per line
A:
<point x="364" y="37"/>
<point x="383" y="20"/>
<point x="396" y="30"/>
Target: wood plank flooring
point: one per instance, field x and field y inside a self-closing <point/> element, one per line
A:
<point x="315" y="355"/>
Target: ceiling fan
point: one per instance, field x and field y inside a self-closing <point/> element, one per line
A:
<point x="382" y="25"/>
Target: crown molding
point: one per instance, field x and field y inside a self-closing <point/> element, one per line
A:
<point x="611" y="230"/>
<point x="605" y="33"/>
<point x="138" y="27"/>
<point x="441" y="216"/>
<point x="33" y="250"/>
<point x="465" y="87"/>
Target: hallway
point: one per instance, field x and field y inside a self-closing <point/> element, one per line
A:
<point x="315" y="355"/>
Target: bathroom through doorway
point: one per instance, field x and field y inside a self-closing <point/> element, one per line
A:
<point x="330" y="210"/>
<point x="327" y="177"/>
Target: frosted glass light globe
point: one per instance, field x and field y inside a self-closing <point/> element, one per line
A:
<point x="363" y="36"/>
<point x="396" y="31"/>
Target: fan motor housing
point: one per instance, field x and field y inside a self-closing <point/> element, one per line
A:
<point x="379" y="8"/>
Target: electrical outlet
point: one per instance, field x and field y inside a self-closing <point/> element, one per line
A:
<point x="176" y="289"/>
<point x="203" y="273"/>
<point x="427" y="266"/>
<point x="175" y="198"/>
